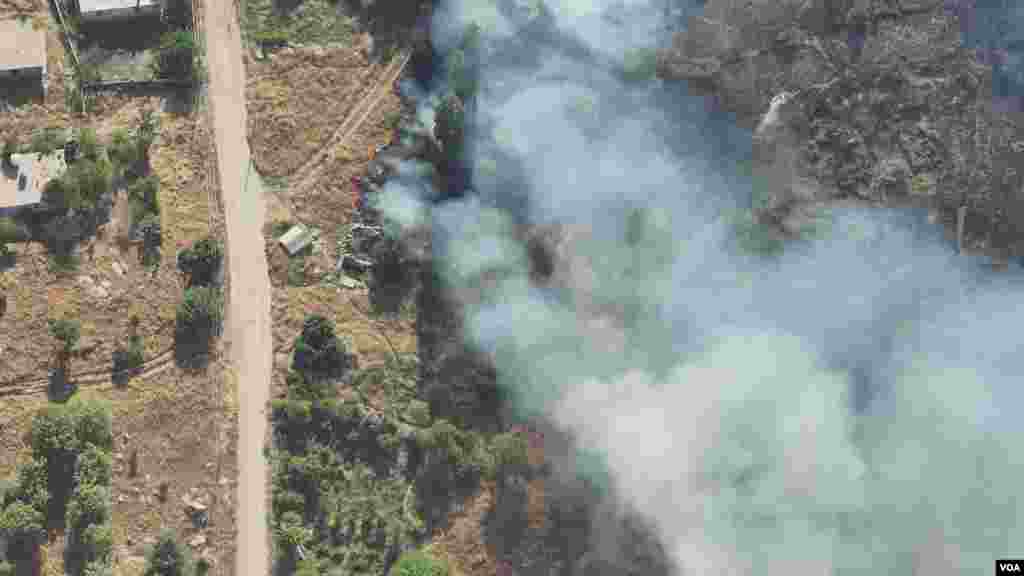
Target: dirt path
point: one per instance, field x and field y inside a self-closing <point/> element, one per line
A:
<point x="248" y="315"/>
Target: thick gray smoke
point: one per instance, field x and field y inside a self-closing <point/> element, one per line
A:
<point x="846" y="408"/>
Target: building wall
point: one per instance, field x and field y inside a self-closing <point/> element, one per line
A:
<point x="120" y="13"/>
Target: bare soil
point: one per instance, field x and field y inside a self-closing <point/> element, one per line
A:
<point x="248" y="328"/>
<point x="10" y="8"/>
<point x="296" y="97"/>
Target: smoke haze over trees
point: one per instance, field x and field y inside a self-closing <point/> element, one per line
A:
<point x="842" y="406"/>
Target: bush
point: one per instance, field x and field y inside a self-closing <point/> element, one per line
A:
<point x="199" y="315"/>
<point x="144" y="195"/>
<point x="9" y="231"/>
<point x="89" y="506"/>
<point x="66" y="332"/>
<point x="419" y="563"/>
<point x="271" y="38"/>
<point x="88" y="144"/>
<point x="175" y="56"/>
<point x="93" y="467"/>
<point x="46" y="141"/>
<point x="136" y="352"/>
<point x="166" y="557"/>
<point x="200" y="262"/>
<point x="10" y="148"/>
<point x="152" y="239"/>
<point x="122" y="150"/>
<point x="318" y="351"/>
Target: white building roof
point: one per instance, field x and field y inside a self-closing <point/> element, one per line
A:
<point x="26" y="188"/>
<point x="21" y="46"/>
<point x="89" y="6"/>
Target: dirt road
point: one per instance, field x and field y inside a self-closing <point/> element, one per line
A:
<point x="248" y="314"/>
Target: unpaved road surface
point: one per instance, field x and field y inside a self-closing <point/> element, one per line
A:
<point x="248" y="314"/>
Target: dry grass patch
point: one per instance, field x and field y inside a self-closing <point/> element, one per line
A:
<point x="296" y="98"/>
<point x="353" y="319"/>
<point x="328" y="203"/>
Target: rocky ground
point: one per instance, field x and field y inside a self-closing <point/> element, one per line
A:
<point x="887" y="106"/>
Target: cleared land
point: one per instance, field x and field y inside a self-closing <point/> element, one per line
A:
<point x="181" y="426"/>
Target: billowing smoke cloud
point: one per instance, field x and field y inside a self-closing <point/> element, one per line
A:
<point x="845" y="408"/>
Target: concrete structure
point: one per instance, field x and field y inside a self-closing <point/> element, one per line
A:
<point x="295" y="239"/>
<point x="109" y="10"/>
<point x="23" y="53"/>
<point x="23" y="187"/>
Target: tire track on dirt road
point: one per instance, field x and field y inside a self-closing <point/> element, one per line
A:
<point x="307" y="174"/>
<point x="248" y="336"/>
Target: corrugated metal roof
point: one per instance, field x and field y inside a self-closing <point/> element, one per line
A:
<point x="21" y="46"/>
<point x="36" y="172"/>
<point x="295" y="239"/>
<point x="87" y="6"/>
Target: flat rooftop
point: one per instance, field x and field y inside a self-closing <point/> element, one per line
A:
<point x="87" y="6"/>
<point x="21" y="46"/>
<point x="36" y="172"/>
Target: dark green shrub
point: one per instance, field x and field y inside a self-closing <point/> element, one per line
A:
<point x="199" y="316"/>
<point x="318" y="352"/>
<point x="175" y="56"/>
<point x="93" y="467"/>
<point x="10" y="148"/>
<point x="166" y="557"/>
<point x="46" y="141"/>
<point x="10" y="232"/>
<point x="200" y="262"/>
<point x="144" y="195"/>
<point x="66" y="332"/>
<point x="419" y="563"/>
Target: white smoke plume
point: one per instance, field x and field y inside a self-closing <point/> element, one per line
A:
<point x="846" y="408"/>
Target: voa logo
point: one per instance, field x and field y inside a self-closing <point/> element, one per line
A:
<point x="1009" y="567"/>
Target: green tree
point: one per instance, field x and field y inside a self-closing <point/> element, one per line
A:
<point x="32" y="486"/>
<point x="166" y="557"/>
<point x="89" y="505"/>
<point x="24" y="529"/>
<point x="200" y="262"/>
